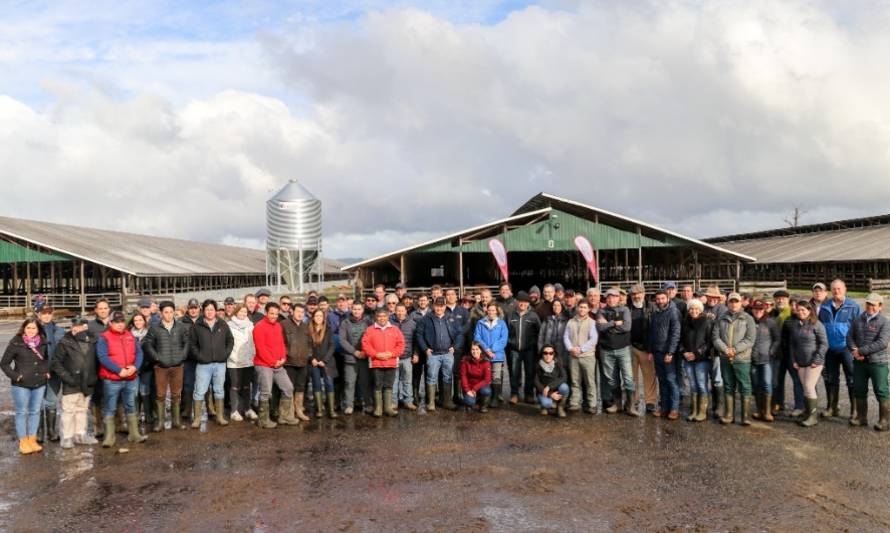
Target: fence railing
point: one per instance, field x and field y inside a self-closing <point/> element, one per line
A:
<point x="60" y="301"/>
<point x="879" y="285"/>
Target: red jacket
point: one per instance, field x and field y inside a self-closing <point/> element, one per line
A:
<point x="385" y="339"/>
<point x="121" y="350"/>
<point x="474" y="374"/>
<point x="268" y="338"/>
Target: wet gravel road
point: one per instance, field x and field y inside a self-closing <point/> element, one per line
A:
<point x="508" y="470"/>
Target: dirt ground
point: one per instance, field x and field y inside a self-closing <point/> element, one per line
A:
<point x="510" y="469"/>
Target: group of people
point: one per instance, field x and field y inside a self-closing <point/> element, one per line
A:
<point x="559" y="350"/>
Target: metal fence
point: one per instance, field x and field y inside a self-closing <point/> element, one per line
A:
<point x="62" y="301"/>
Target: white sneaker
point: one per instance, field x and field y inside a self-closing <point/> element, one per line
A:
<point x="251" y="415"/>
<point x="236" y="417"/>
<point x="86" y="439"/>
<point x="67" y="444"/>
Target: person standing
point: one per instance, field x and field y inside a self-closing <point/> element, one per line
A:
<point x="26" y="363"/>
<point x="782" y="365"/>
<point x="54" y="335"/>
<point x="356" y="372"/>
<point x="697" y="347"/>
<point x="120" y="357"/>
<point x="324" y="366"/>
<point x="492" y="335"/>
<point x="734" y="335"/>
<point x="239" y="365"/>
<point x="580" y="340"/>
<point x="837" y="315"/>
<point x="268" y="363"/>
<point x="524" y="327"/>
<point x="211" y="342"/>
<point x="75" y="365"/>
<point x="96" y="326"/>
<point x="663" y="340"/>
<point x="384" y="344"/>
<point x="167" y="346"/>
<point x="402" y="390"/>
<point x="867" y="341"/>
<point x="475" y="379"/>
<point x="299" y="352"/>
<point x="139" y="326"/>
<point x="440" y="337"/>
<point x="767" y="347"/>
<point x="613" y="325"/>
<point x="642" y="365"/>
<point x="807" y="344"/>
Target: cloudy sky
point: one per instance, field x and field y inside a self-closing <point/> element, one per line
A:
<point x="413" y="119"/>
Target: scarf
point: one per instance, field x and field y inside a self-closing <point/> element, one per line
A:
<point x="139" y="333"/>
<point x="32" y="343"/>
<point x="241" y="324"/>
<point x="548" y="367"/>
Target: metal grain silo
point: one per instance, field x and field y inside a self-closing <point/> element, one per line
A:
<point x="293" y="238"/>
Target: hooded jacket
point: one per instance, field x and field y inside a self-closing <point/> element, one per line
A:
<point x="24" y="367"/>
<point x="75" y="364"/>
<point x="492" y="336"/>
<point x="211" y="346"/>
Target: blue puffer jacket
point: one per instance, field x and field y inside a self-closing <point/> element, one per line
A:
<point x="837" y="323"/>
<point x="492" y="337"/>
<point x="664" y="330"/>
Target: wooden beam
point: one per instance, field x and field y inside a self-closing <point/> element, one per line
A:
<point x="83" y="295"/>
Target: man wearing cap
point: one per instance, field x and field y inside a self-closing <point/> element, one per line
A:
<point x="401" y="291"/>
<point x="734" y="335"/>
<point x="837" y="315"/>
<point x="120" y="357"/>
<point x="523" y="325"/>
<point x="782" y="365"/>
<point x="53" y="334"/>
<point x="355" y="362"/>
<point x="662" y="343"/>
<point x="534" y="296"/>
<point x="714" y="309"/>
<point x="613" y="325"/>
<point x="74" y="364"/>
<point x="643" y="367"/>
<point x="440" y="337"/>
<point x="820" y="294"/>
<point x="262" y="298"/>
<point x="193" y="313"/>
<point x="167" y="346"/>
<point x="867" y="341"/>
<point x="229" y="307"/>
<point x="670" y="288"/>
<point x="403" y="387"/>
<point x="767" y="348"/>
<point x="580" y="340"/>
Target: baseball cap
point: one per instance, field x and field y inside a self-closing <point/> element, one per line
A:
<point x="758" y="304"/>
<point x="522" y="296"/>
<point x="79" y="321"/>
<point x="229" y="300"/>
<point x="143" y="302"/>
<point x="47" y="309"/>
<point x="439" y="301"/>
<point x="263" y="292"/>
<point x="874" y="298"/>
<point x="193" y="302"/>
<point x="400" y="285"/>
<point x="820" y="285"/>
<point x="734" y="296"/>
<point x="781" y="294"/>
<point x="613" y="292"/>
<point x="669" y="285"/>
<point x="118" y="316"/>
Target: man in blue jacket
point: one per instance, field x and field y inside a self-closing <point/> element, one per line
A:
<point x="439" y="337"/>
<point x="662" y="343"/>
<point x="54" y="334"/>
<point x="837" y="315"/>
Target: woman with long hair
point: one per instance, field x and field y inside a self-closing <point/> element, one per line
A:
<point x="26" y="363"/>
<point x="139" y="328"/>
<point x="808" y="344"/>
<point x="324" y="367"/>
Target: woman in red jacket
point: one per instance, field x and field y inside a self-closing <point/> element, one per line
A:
<point x="475" y="379"/>
<point x="383" y="343"/>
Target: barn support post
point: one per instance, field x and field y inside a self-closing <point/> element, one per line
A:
<point x="83" y="294"/>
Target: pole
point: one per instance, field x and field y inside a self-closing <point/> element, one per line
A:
<point x="639" y="256"/>
<point x="83" y="294"/>
<point x="460" y="265"/>
<point x="300" y="243"/>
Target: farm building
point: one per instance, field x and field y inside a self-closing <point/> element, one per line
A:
<point x="74" y="266"/>
<point x="855" y="250"/>
<point x="539" y="240"/>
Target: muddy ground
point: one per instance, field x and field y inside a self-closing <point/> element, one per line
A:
<point x="510" y="469"/>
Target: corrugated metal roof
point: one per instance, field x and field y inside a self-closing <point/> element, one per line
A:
<point x="141" y="255"/>
<point x="860" y="244"/>
<point x="11" y="252"/>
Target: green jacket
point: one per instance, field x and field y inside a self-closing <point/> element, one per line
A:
<point x="737" y="331"/>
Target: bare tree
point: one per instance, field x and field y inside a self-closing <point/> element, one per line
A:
<point x="794" y="220"/>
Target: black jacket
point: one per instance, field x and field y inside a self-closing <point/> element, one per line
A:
<point x="166" y="348"/>
<point x="28" y="370"/>
<point x="324" y="351"/>
<point x="75" y="364"/>
<point x="211" y="346"/>
<point x="524" y="330"/>
<point x="550" y="379"/>
<point x="697" y="337"/>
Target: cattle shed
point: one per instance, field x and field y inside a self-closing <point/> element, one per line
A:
<point x="539" y="239"/>
<point x="74" y="266"/>
<point x="855" y="250"/>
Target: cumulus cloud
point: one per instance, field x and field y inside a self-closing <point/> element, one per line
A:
<point x="707" y="118"/>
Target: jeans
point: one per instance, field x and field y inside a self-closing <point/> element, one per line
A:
<point x="762" y="377"/>
<point x="547" y="402"/>
<point x="736" y="377"/>
<point x="126" y="390"/>
<point x="27" y="409"/>
<point x="319" y="374"/>
<point x="780" y="368"/>
<point x="698" y="375"/>
<point x="668" y="388"/>
<point x="146" y="382"/>
<point x="437" y="362"/>
<point x="716" y="374"/>
<point x="402" y="392"/>
<point x="615" y="362"/>
<point x="207" y="374"/>
<point x="863" y="371"/>
<point x="51" y="400"/>
<point x="384" y="378"/>
<point x="188" y="378"/>
<point x="519" y="361"/>
<point x="484" y="392"/>
<point x="834" y="360"/>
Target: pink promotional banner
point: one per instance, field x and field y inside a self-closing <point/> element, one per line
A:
<point x="589" y="255"/>
<point x="500" y="255"/>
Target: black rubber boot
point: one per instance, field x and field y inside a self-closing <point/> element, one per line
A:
<point x="51" y="429"/>
<point x="717" y="401"/>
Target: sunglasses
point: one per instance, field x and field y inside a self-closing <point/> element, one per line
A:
<point x="549" y="352"/>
